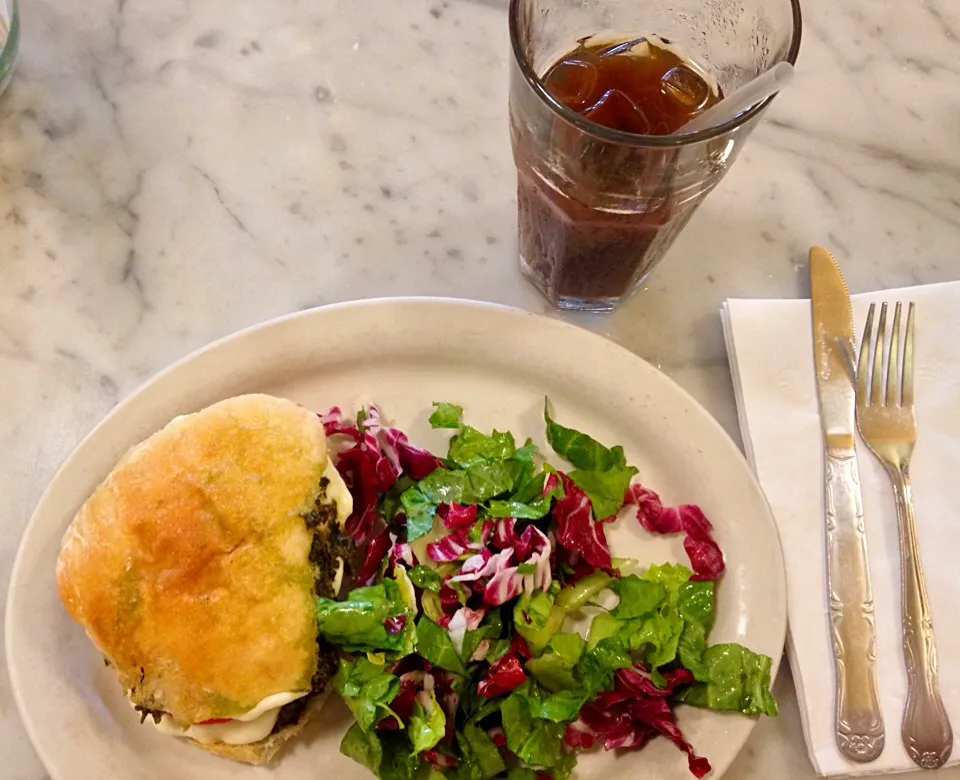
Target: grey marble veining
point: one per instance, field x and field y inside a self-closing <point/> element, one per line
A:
<point x="174" y="171"/>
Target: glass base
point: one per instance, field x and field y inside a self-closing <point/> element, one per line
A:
<point x="589" y="306"/>
<point x="572" y="303"/>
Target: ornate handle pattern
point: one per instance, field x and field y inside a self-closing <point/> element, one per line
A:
<point x="859" y="721"/>
<point x="926" y="731"/>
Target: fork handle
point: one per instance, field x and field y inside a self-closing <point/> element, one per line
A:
<point x="925" y="730"/>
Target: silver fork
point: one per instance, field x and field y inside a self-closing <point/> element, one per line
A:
<point x="888" y="424"/>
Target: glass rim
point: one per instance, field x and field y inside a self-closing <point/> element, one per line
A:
<point x="637" y="139"/>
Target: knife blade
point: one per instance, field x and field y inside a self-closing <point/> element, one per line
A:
<point x="859" y="721"/>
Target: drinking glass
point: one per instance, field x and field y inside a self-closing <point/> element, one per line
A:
<point x="598" y="208"/>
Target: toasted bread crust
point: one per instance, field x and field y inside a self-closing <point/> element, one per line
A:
<point x="189" y="567"/>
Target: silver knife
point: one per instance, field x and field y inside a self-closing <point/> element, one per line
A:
<point x="859" y="721"/>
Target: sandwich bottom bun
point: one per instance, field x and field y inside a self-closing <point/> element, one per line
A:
<point x="262" y="752"/>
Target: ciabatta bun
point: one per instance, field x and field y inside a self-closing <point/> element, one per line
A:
<point x="189" y="566"/>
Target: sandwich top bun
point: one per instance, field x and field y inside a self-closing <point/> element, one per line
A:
<point x="194" y="568"/>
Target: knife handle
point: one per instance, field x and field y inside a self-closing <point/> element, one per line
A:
<point x="859" y="721"/>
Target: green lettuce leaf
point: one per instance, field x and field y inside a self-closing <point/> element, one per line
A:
<point x="534" y="609"/>
<point x="567" y="666"/>
<point x="523" y="476"/>
<point x="427" y="722"/>
<point x="472" y="640"/>
<point x="526" y="452"/>
<point x="603" y="626"/>
<point x="580" y="449"/>
<point x="480" y="754"/>
<point x="690" y="650"/>
<point x="559" y="707"/>
<point x="531" y="489"/>
<point x="529" y="502"/>
<point x="553" y="672"/>
<point x="363" y="747"/>
<point x="537" y="619"/>
<point x="434" y="644"/>
<point x="555" y="669"/>
<point x="473" y="706"/>
<point x="658" y="636"/>
<point x="398" y="762"/>
<point x="605" y="489"/>
<point x="385" y="753"/>
<point x="517" y="720"/>
<point x="391" y="499"/>
<point x="638" y="597"/>
<point x="419" y="511"/>
<point x="678" y="627"/>
<point x="544" y="745"/>
<point x="470" y="447"/>
<point x="357" y="624"/>
<point x="739" y="681"/>
<point x="478" y="483"/>
<point x="613" y="652"/>
<point x="490" y="628"/>
<point x="458" y="588"/>
<point x="532" y="511"/>
<point x="498" y="647"/>
<point x="695" y="600"/>
<point x="597" y="666"/>
<point x="494" y="619"/>
<point x="490" y="479"/>
<point x="446" y="415"/>
<point x="568" y="645"/>
<point x="671" y="576"/>
<point x="695" y="604"/>
<point x="367" y="689"/>
<point x="426" y="578"/>
<point x="537" y="742"/>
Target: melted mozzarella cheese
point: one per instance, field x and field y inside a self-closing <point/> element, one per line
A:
<point x="243" y="729"/>
<point x="338" y="577"/>
<point x="337" y="491"/>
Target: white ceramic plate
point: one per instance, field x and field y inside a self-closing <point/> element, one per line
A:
<point x="403" y="354"/>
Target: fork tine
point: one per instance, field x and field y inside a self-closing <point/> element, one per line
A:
<point x="893" y="362"/>
<point x="876" y="387"/>
<point x="906" y="381"/>
<point x="863" y="363"/>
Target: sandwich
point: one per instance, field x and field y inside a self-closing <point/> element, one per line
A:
<point x="195" y="567"/>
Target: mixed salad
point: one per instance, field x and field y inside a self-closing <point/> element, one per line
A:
<point x="457" y="653"/>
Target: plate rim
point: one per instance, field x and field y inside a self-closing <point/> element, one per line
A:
<point x="14" y="584"/>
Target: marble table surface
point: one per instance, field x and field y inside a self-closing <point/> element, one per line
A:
<point x="175" y="171"/>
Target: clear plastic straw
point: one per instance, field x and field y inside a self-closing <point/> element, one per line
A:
<point x="763" y="86"/>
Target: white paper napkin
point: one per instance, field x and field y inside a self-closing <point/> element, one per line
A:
<point x="771" y="357"/>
